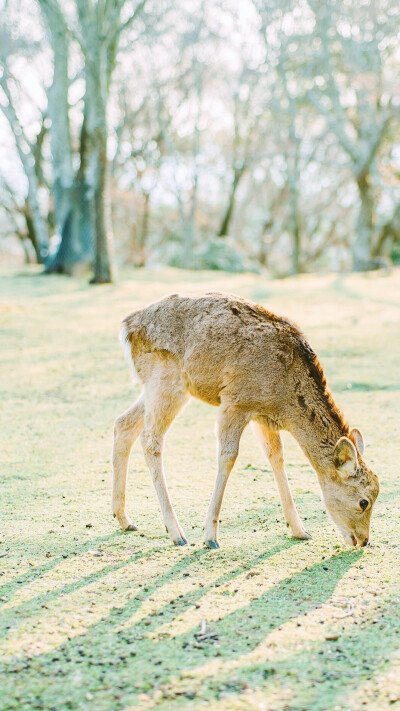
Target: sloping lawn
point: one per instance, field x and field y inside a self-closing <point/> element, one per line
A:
<point x="93" y="618"/>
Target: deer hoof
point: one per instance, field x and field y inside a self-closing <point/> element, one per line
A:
<point x="303" y="535"/>
<point x="180" y="541"/>
<point x="212" y="544"/>
<point x="131" y="527"/>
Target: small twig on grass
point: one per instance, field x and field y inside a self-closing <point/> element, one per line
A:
<point x="203" y="635"/>
<point x="344" y="602"/>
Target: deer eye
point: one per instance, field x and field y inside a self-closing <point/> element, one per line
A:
<point x="364" y="503"/>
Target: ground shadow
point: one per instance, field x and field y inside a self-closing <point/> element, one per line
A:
<point x="133" y="659"/>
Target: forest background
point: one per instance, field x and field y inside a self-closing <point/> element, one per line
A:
<point x="200" y="133"/>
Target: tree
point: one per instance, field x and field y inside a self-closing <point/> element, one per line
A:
<point x="244" y="95"/>
<point x="353" y="92"/>
<point x="28" y="148"/>
<point x="96" y="27"/>
<point x="70" y="189"/>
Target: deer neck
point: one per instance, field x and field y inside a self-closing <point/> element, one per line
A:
<point x="317" y="428"/>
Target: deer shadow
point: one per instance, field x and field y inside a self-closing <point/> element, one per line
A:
<point x="134" y="653"/>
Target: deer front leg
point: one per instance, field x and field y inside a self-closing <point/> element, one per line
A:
<point x="230" y="427"/>
<point x="271" y="445"/>
<point x="126" y="430"/>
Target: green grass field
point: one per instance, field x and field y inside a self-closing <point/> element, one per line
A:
<point x="96" y="619"/>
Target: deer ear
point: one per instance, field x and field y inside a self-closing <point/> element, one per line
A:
<point x="345" y="457"/>
<point x="357" y="439"/>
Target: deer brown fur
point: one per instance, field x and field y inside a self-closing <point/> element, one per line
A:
<point x="255" y="367"/>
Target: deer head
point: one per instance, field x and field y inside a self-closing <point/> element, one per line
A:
<point x="350" y="493"/>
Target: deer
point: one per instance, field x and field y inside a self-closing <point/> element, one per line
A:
<point x="257" y="368"/>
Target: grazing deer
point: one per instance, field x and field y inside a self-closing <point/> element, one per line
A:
<point x="255" y="367"/>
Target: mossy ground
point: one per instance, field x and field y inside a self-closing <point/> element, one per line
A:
<point x="95" y="619"/>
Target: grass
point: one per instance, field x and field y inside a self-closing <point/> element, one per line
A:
<point x="92" y="618"/>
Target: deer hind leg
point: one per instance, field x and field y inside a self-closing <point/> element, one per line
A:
<point x="271" y="445"/>
<point x="127" y="428"/>
<point x="165" y="394"/>
<point x="230" y="426"/>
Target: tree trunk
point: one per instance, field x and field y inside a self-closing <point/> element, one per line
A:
<point x="189" y="227"/>
<point x="26" y="250"/>
<point x="98" y="74"/>
<point x="144" y="231"/>
<point x="76" y="245"/>
<point x="296" y="248"/>
<point x="265" y="243"/>
<point x="102" y="242"/>
<point x="294" y="224"/>
<point x="190" y="221"/>
<point x="71" y="204"/>
<point x="31" y="231"/>
<point x="188" y="244"/>
<point x="389" y="235"/>
<point x="39" y="224"/>
<point x="226" y="221"/>
<point x="60" y="136"/>
<point x="365" y="226"/>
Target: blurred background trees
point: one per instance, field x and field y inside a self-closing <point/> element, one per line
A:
<point x="200" y="133"/>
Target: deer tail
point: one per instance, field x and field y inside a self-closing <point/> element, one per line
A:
<point x="125" y="340"/>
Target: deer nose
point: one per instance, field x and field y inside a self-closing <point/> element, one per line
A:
<point x="365" y="542"/>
